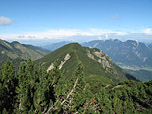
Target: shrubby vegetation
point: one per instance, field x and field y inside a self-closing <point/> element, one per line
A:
<point x="33" y="90"/>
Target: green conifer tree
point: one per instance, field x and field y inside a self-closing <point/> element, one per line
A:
<point x="7" y="86"/>
<point x="27" y="78"/>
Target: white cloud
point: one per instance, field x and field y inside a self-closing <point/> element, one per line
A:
<point x="148" y="31"/>
<point x="77" y="35"/>
<point x="102" y="32"/>
<point x="5" y="20"/>
<point x="107" y="36"/>
<point x="60" y="34"/>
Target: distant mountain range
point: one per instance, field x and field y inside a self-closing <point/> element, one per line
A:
<point x="55" y="46"/>
<point x="132" y="53"/>
<point x="133" y="56"/>
<point x="18" y="52"/>
<point x="150" y="46"/>
<point x="95" y="62"/>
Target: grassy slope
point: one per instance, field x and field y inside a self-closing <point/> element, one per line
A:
<point x="79" y="53"/>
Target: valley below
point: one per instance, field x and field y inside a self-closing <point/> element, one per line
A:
<point x="141" y="73"/>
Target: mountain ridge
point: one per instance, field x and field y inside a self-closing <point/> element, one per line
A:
<point x="16" y="50"/>
<point x="95" y="61"/>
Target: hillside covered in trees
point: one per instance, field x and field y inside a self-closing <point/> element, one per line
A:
<point x="34" y="90"/>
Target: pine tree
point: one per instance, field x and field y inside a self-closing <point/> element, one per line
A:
<point x="42" y="90"/>
<point x="21" y="104"/>
<point x="7" y="86"/>
<point x="75" y="92"/>
<point x="51" y="93"/>
<point x="27" y="76"/>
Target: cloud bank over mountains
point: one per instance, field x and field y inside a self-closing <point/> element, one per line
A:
<point x="78" y="34"/>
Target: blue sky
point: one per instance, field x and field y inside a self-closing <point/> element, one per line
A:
<point x="66" y="19"/>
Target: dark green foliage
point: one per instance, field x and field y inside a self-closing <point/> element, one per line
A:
<point x="33" y="90"/>
<point x="7" y="86"/>
<point x="132" y="97"/>
<point x="97" y="82"/>
<point x="27" y="77"/>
